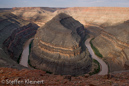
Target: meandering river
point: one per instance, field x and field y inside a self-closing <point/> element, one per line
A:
<point x="104" y="67"/>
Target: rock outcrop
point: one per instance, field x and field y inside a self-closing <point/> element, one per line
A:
<point x="14" y="43"/>
<point x="59" y="47"/>
<point x="113" y="44"/>
<point x="15" y="31"/>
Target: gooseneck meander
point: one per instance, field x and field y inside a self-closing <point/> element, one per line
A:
<point x="104" y="67"/>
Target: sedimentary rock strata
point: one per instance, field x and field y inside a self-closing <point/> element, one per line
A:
<point x="14" y="43"/>
<point x="59" y="47"/>
<point x="113" y="43"/>
<point x="13" y="33"/>
<point x="104" y="16"/>
<point x="35" y="14"/>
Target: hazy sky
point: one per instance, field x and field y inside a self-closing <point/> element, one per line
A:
<point x="63" y="3"/>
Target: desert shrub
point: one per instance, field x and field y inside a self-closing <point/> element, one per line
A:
<point x="96" y="51"/>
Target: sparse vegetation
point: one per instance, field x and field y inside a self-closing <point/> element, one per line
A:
<point x="96" y="70"/>
<point x="18" y="60"/>
<point x="96" y="51"/>
<point x="30" y="46"/>
<point x="29" y="54"/>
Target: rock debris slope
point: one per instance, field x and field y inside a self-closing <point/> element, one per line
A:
<point x="59" y="47"/>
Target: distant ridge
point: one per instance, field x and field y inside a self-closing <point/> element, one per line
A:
<point x="51" y="9"/>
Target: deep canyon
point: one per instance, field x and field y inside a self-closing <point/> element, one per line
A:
<point x="109" y="25"/>
<point x="59" y="38"/>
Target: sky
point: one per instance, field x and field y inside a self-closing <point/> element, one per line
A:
<point x="63" y="3"/>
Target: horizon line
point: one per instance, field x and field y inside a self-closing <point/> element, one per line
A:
<point x="65" y="7"/>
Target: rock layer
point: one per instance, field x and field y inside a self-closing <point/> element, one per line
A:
<point x="96" y="15"/>
<point x="116" y="40"/>
<point x="14" y="43"/>
<point x="15" y="31"/>
<point x="59" y="47"/>
<point x="33" y="14"/>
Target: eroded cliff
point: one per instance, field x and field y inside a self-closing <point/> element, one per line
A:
<point x="59" y="47"/>
<point x="104" y="16"/>
<point x="113" y="44"/>
<point x="37" y="15"/>
<point x="14" y="43"/>
<point x="13" y="33"/>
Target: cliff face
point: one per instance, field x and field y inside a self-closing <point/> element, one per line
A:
<point x="37" y="8"/>
<point x="14" y="43"/>
<point x="104" y="16"/>
<point x="8" y="23"/>
<point x="98" y="15"/>
<point x="33" y="14"/>
<point x="113" y="43"/>
<point x="13" y="33"/>
<point x="59" y="47"/>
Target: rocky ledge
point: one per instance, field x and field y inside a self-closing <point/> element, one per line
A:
<point x="59" y="47"/>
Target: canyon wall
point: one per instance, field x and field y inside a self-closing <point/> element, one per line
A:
<point x="104" y="16"/>
<point x="14" y="43"/>
<point x="105" y="23"/>
<point x="98" y="15"/>
<point x="37" y="15"/>
<point x="59" y="47"/>
<point x="13" y="33"/>
<point x="113" y="44"/>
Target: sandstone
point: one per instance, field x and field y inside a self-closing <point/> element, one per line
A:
<point x="15" y="42"/>
<point x="103" y="16"/>
<point x="37" y="15"/>
<point x="112" y="42"/>
<point x="97" y="15"/>
<point x="14" y="31"/>
<point x="113" y="45"/>
<point x="59" y="47"/>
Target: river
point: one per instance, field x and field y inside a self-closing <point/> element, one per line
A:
<point x="25" y="53"/>
<point x="104" y="67"/>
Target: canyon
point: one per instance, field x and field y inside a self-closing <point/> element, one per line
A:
<point x="103" y="16"/>
<point x="116" y="38"/>
<point x="59" y="42"/>
<point x="14" y="32"/>
<point x="109" y="25"/>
